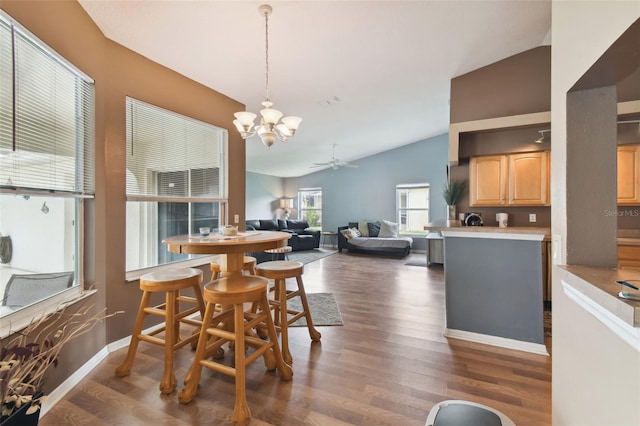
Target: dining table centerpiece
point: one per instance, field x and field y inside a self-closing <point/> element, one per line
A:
<point x="26" y="356"/>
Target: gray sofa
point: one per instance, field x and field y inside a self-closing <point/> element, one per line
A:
<point x="392" y="245"/>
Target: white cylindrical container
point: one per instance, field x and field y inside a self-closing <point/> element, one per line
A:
<point x="502" y="219"/>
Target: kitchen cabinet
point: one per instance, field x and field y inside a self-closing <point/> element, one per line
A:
<point x="510" y="179"/>
<point x="629" y="175"/>
<point x="488" y="180"/>
<point x="529" y="179"/>
<point x="629" y="257"/>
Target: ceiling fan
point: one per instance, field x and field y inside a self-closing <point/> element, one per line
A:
<point x="334" y="162"/>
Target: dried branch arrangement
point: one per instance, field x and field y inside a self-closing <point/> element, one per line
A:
<point x="26" y="357"/>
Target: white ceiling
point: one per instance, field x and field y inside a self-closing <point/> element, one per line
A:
<point x="388" y="62"/>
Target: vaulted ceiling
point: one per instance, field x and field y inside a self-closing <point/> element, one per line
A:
<point x="367" y="76"/>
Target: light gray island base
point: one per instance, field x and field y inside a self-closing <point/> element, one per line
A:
<point x="493" y="289"/>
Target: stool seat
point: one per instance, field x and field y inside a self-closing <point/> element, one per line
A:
<point x="171" y="282"/>
<point x="285" y="249"/>
<point x="232" y="324"/>
<point x="280" y="268"/>
<point x="279" y="271"/>
<point x="280" y="250"/>
<point x="466" y="413"/>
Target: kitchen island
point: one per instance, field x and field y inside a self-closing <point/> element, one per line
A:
<point x="493" y="285"/>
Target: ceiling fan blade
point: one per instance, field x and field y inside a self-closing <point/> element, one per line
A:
<point x="343" y="164"/>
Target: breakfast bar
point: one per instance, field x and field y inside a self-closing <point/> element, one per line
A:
<point x="493" y="285"/>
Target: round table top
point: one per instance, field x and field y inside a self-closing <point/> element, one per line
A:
<point x="218" y="244"/>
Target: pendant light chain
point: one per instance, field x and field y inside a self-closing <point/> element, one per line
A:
<point x="266" y="52"/>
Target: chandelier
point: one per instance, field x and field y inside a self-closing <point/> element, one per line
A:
<point x="269" y="129"/>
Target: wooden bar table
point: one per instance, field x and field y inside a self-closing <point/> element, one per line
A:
<point x="230" y="248"/>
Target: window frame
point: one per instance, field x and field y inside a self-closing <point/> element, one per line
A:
<point x="302" y="210"/>
<point x="82" y="149"/>
<point x="187" y="191"/>
<point x="402" y="188"/>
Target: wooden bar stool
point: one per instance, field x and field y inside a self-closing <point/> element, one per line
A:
<point x="274" y="252"/>
<point x="279" y="271"/>
<point x="234" y="325"/>
<point x="171" y="282"/>
<point x="248" y="264"/>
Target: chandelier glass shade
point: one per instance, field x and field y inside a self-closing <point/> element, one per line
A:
<point x="271" y="127"/>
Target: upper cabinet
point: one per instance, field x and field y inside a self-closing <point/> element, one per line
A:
<point x="488" y="180"/>
<point x="629" y="174"/>
<point x="510" y="180"/>
<point x="529" y="179"/>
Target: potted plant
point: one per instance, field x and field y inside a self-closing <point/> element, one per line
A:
<point x="452" y="191"/>
<point x="26" y="357"/>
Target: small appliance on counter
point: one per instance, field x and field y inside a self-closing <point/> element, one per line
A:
<point x="473" y="219"/>
<point x="502" y="219"/>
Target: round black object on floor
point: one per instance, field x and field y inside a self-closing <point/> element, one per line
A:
<point x="462" y="414"/>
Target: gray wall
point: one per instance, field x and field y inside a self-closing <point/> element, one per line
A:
<point x="494" y="287"/>
<point x="263" y="192"/>
<point x="367" y="192"/>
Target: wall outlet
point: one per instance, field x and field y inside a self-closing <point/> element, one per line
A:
<point x="532" y="217"/>
<point x="236" y="218"/>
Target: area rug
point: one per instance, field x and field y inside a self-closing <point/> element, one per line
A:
<point x="324" y="310"/>
<point x="308" y="256"/>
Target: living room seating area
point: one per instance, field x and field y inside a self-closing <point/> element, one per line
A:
<point x="373" y="237"/>
<point x="302" y="236"/>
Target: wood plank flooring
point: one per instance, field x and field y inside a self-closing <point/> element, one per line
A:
<point x="388" y="365"/>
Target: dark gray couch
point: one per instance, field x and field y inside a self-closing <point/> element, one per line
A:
<point x="302" y="237"/>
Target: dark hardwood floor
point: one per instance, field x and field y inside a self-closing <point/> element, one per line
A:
<point x="388" y="365"/>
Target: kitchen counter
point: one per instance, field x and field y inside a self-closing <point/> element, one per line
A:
<point x="622" y="241"/>
<point x="493" y="285"/>
<point x="598" y="285"/>
<point x="536" y="233"/>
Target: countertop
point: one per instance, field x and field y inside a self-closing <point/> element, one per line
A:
<point x="442" y="226"/>
<point x="598" y="284"/>
<point x="627" y="237"/>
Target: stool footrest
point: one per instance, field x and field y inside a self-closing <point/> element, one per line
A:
<point x="151" y="339"/>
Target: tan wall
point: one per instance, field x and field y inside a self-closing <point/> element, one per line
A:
<point x="119" y="72"/>
<point x="519" y="84"/>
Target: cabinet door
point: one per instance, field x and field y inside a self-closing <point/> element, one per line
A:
<point x="529" y="179"/>
<point x="488" y="180"/>
<point x="629" y="174"/>
<point x="629" y="257"/>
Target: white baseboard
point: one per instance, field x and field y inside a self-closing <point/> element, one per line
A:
<point x="502" y="342"/>
<point x="72" y="381"/>
<point x="58" y="393"/>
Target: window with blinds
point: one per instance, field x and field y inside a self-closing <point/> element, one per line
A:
<point x="412" y="201"/>
<point x="46" y="117"/>
<point x="176" y="181"/>
<point x="47" y="140"/>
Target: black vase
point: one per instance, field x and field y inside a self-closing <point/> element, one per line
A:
<point x="20" y="417"/>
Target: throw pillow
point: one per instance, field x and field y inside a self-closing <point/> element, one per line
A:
<point x="362" y="227"/>
<point x="373" y="228"/>
<point x="346" y="233"/>
<point x="355" y="232"/>
<point x="388" y="229"/>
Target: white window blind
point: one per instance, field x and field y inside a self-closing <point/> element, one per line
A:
<point x="46" y="117"/>
<point x="172" y="157"/>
